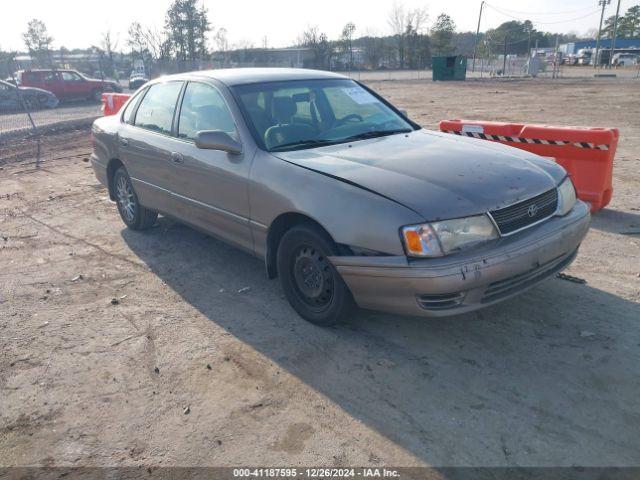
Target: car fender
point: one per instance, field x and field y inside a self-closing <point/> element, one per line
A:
<point x="352" y="215"/>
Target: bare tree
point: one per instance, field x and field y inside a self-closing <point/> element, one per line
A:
<point x="346" y="41"/>
<point x="403" y="21"/>
<point x="319" y="45"/>
<point x="373" y="48"/>
<point x="221" y="44"/>
<point x="108" y="45"/>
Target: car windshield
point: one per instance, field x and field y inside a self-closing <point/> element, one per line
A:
<point x="298" y="114"/>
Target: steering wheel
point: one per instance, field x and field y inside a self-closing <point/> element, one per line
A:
<point x="351" y="116"/>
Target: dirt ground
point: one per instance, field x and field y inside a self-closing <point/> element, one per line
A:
<point x="546" y="379"/>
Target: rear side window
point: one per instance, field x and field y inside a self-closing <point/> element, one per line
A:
<point x="155" y="112"/>
<point x="71" y="77"/>
<point x="29" y="77"/>
<point x="203" y="108"/>
<point x="127" y="115"/>
<point x="49" y="76"/>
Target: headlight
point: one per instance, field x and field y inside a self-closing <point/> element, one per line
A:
<point x="566" y="197"/>
<point x="442" y="238"/>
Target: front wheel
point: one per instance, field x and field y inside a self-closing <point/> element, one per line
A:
<point x="310" y="282"/>
<point x="134" y="215"/>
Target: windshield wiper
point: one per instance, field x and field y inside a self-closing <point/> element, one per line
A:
<point x="375" y="134"/>
<point x="310" y="142"/>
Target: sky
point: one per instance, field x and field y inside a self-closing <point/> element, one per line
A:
<point x="79" y="23"/>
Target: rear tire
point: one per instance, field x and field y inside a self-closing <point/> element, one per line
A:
<point x="96" y="95"/>
<point x="134" y="215"/>
<point x="310" y="282"/>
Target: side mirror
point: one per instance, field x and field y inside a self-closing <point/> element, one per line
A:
<point x="217" y="140"/>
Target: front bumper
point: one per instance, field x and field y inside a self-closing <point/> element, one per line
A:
<point x="468" y="280"/>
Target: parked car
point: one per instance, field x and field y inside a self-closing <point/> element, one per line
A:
<point x="136" y="80"/>
<point x="625" y="59"/>
<point x="347" y="200"/>
<point x="11" y="97"/>
<point x="67" y="84"/>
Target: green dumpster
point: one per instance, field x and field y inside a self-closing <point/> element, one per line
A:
<point x="449" y="68"/>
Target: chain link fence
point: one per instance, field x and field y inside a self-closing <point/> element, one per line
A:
<point x="25" y="121"/>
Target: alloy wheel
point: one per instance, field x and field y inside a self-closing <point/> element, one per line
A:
<point x="125" y="198"/>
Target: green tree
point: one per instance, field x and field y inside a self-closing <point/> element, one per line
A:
<point x="187" y="27"/>
<point x="629" y="24"/>
<point x="38" y="41"/>
<point x="442" y="34"/>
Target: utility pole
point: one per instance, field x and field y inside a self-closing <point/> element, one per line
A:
<point x="615" y="32"/>
<point x="604" y="3"/>
<point x="475" y="44"/>
<point x="504" y="58"/>
<point x="556" y="59"/>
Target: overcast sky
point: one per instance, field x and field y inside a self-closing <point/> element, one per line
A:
<point x="78" y="23"/>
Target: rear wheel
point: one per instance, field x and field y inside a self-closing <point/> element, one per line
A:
<point x="134" y="215"/>
<point x="310" y="282"/>
<point x="96" y="95"/>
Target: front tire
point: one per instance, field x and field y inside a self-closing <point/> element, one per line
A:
<point x="310" y="282"/>
<point x="134" y="215"/>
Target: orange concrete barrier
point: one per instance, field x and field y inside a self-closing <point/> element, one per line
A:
<point x="112" y="102"/>
<point x="586" y="153"/>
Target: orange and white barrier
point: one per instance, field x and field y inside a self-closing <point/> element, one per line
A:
<point x="112" y="102"/>
<point x="586" y="153"/>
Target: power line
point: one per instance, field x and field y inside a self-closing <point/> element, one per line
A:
<point x="566" y="12"/>
<point x="543" y="23"/>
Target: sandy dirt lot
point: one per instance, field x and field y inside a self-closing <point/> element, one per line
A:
<point x="548" y="378"/>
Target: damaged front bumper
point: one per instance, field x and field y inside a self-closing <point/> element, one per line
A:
<point x="468" y="280"/>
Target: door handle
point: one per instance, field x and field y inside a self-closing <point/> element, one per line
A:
<point x="177" y="158"/>
<point x="124" y="142"/>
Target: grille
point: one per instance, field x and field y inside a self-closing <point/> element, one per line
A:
<point x="526" y="213"/>
<point x="511" y="285"/>
<point x="442" y="301"/>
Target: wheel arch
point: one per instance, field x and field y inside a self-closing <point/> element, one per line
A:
<point x="112" y="167"/>
<point x="280" y="225"/>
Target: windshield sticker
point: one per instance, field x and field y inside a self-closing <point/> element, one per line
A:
<point x="359" y="95"/>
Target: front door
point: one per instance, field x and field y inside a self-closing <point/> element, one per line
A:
<point x="211" y="184"/>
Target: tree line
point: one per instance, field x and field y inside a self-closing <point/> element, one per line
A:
<point x="187" y="40"/>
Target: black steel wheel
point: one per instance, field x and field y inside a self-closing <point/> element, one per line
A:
<point x="310" y="282"/>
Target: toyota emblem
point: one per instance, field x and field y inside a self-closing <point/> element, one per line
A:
<point x="532" y="210"/>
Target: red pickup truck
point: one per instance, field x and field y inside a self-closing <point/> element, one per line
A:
<point x="67" y="84"/>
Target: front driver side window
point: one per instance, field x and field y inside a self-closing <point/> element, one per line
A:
<point x="204" y="108"/>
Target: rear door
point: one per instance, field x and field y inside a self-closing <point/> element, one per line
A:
<point x="210" y="184"/>
<point x="146" y="145"/>
<point x="50" y="80"/>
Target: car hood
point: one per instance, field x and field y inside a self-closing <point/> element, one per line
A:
<point x="435" y="174"/>
<point x="33" y="90"/>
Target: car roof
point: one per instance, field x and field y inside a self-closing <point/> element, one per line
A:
<point x="242" y="76"/>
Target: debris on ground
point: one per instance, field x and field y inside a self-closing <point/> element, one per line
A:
<point x="157" y="370"/>
<point x="208" y="366"/>
<point x="586" y="334"/>
<point x="244" y="289"/>
<point x="115" y="301"/>
<point x="77" y="277"/>
<point x="571" y="278"/>
<point x="186" y="410"/>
